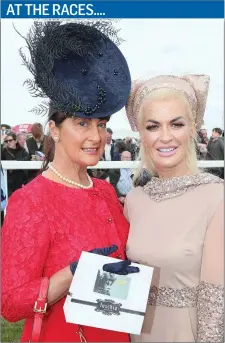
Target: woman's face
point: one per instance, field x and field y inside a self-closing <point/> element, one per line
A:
<point x="10" y="142"/>
<point x="82" y="141"/>
<point x="166" y="132"/>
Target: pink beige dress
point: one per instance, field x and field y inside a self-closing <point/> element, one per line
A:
<point x="176" y="226"/>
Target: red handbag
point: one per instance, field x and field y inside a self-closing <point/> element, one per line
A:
<point x="40" y="308"/>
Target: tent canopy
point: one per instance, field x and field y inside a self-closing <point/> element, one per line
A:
<point x="22" y="128"/>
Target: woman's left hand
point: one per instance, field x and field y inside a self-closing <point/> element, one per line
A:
<point x="99" y="251"/>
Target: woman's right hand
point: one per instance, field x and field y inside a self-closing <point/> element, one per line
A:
<point x="120" y="268"/>
<point x="99" y="251"/>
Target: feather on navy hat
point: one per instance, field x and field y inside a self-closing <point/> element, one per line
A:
<point x="78" y="67"/>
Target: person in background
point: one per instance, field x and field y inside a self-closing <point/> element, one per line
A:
<point x="216" y="145"/>
<point x="2" y="141"/>
<point x="120" y="147"/>
<point x="202" y="143"/>
<point x="204" y="134"/>
<point x="201" y="146"/>
<point x="177" y="218"/>
<point x="110" y="153"/>
<point x="132" y="147"/>
<point x="33" y="144"/>
<point x="3" y="144"/>
<point x="36" y="142"/>
<point x="14" y="152"/>
<point x="3" y="196"/>
<point x="124" y="184"/>
<point x="216" y="150"/>
<point x="21" y="139"/>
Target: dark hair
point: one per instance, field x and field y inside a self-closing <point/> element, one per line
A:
<point x="49" y="145"/>
<point x="37" y="130"/>
<point x="120" y="146"/>
<point x="13" y="135"/>
<point x="218" y="130"/>
<point x="109" y="130"/>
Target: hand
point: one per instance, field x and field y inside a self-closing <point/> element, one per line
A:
<point x="99" y="251"/>
<point x="120" y="268"/>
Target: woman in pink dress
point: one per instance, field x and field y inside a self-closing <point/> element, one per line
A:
<point x="176" y="219"/>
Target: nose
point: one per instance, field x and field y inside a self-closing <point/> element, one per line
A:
<point x="166" y="135"/>
<point x="94" y="134"/>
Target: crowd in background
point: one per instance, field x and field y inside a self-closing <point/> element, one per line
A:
<point x="20" y="147"/>
<point x="211" y="148"/>
<point x="24" y="147"/>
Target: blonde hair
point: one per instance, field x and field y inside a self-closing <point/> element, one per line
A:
<point x="144" y="157"/>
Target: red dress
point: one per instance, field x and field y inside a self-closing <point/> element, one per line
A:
<point x="46" y="228"/>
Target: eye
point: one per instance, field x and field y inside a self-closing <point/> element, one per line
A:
<point x="102" y="125"/>
<point x="83" y="123"/>
<point x="152" y="127"/>
<point x="177" y="125"/>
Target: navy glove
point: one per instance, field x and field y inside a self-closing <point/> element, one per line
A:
<point x="120" y="268"/>
<point x="100" y="251"/>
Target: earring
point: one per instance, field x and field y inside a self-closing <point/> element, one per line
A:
<point x="56" y="139"/>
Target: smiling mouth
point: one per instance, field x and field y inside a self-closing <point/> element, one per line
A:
<point x="166" y="149"/>
<point x="91" y="151"/>
<point x="167" y="152"/>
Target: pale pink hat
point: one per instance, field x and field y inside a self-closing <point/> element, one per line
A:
<point x="194" y="87"/>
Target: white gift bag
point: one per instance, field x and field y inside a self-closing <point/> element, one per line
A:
<point x="105" y="300"/>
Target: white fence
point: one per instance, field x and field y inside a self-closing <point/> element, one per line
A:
<point x="13" y="165"/>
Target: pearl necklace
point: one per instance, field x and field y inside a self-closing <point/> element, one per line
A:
<point x="71" y="182"/>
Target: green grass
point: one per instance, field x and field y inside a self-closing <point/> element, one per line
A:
<point x="11" y="332"/>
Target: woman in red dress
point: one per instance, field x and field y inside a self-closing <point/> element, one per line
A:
<point x="63" y="212"/>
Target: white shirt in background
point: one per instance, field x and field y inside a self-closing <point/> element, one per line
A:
<point x="26" y="147"/>
<point x="125" y="183"/>
<point x="108" y="152"/>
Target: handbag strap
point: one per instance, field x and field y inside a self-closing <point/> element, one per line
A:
<point x="40" y="308"/>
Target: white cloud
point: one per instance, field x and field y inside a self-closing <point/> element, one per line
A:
<point x="152" y="47"/>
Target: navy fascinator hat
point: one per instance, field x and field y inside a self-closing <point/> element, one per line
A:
<point x="78" y="67"/>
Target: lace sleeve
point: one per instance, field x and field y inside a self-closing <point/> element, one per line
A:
<point x="25" y="243"/>
<point x="210" y="305"/>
